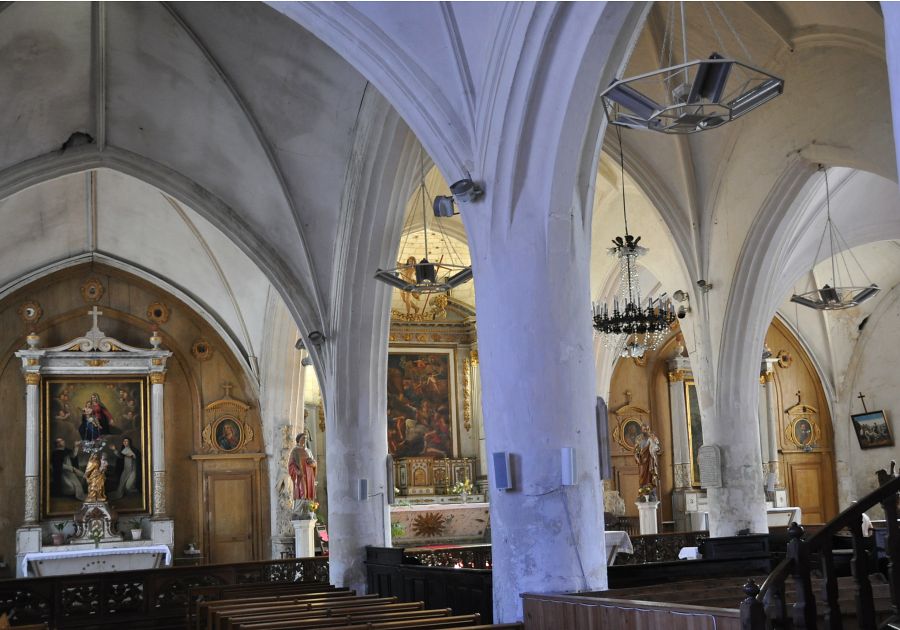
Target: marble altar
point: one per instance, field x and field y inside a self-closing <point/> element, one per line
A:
<point x="80" y="559"/>
<point x="440" y="523"/>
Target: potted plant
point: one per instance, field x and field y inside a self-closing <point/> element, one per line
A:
<point x="59" y="537"/>
<point x="136" y="529"/>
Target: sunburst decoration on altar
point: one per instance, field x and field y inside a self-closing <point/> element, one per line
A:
<point x="429" y="524"/>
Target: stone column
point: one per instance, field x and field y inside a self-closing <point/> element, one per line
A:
<point x="762" y="406"/>
<point x="32" y="448"/>
<point x="157" y="428"/>
<point x="537" y="364"/>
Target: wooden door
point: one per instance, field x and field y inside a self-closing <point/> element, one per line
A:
<point x="811" y="486"/>
<point x="230" y="518"/>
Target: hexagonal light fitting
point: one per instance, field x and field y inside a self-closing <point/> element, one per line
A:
<point x="694" y="96"/>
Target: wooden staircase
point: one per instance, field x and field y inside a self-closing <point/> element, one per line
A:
<point x="791" y="598"/>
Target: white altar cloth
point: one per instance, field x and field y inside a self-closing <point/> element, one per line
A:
<point x="101" y="560"/>
<point x="616" y="542"/>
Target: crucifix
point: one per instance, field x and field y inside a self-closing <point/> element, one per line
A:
<point x="95" y="312"/>
<point x="227" y="387"/>
<point x="862" y="399"/>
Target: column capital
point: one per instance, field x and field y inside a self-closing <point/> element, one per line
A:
<point x="157" y="378"/>
<point x="32" y="378"/>
<point x="676" y="376"/>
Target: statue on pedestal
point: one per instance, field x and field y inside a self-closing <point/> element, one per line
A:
<point x="646" y="453"/>
<point x="95" y="520"/>
<point x="302" y="468"/>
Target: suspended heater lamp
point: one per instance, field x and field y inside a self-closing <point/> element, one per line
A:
<point x="694" y="95"/>
<point x="837" y="295"/>
<point x="633" y="325"/>
<point x="426" y="276"/>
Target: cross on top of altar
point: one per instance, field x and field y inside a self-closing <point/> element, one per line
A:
<point x="95" y="334"/>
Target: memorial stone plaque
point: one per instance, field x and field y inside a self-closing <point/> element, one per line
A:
<point x="710" y="460"/>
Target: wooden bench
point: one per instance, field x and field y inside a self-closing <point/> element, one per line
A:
<point x="201" y="597"/>
<point x="337" y="598"/>
<point x="228" y="621"/>
<point x="220" y="617"/>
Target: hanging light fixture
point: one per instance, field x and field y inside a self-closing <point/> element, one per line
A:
<point x="694" y="95"/>
<point x="837" y="295"/>
<point x="632" y="326"/>
<point x="426" y="276"/>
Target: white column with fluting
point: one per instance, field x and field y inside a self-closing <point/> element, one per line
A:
<point x="157" y="424"/>
<point x="32" y="409"/>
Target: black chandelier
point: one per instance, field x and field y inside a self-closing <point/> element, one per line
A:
<point x="838" y="295"/>
<point x="633" y="326"/>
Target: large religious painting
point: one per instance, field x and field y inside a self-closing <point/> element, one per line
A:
<point x="421" y="403"/>
<point x="695" y="429"/>
<point x="107" y="414"/>
<point x="872" y="429"/>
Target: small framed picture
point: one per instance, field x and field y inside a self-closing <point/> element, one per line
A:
<point x="872" y="429"/>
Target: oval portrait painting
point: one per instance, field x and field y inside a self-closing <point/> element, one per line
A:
<point x="803" y="431"/>
<point x="228" y="434"/>
<point x="631" y="432"/>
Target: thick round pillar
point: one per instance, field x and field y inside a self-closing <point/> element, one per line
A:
<point x="536" y="352"/>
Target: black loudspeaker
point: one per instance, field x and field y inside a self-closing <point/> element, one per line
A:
<point x="502" y="472"/>
<point x="603" y="439"/>
<point x="362" y="490"/>
<point x="389" y="491"/>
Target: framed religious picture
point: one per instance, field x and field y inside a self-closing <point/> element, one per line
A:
<point x="108" y="415"/>
<point x="421" y="403"/>
<point x="872" y="429"/>
<point x="695" y="429"/>
<point x="229" y="434"/>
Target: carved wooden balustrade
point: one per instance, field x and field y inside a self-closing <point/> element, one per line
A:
<point x="660" y="547"/>
<point x="470" y="557"/>
<point x="153" y="598"/>
<point x="766" y="606"/>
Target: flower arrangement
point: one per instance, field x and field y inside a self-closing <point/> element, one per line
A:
<point x="312" y="506"/>
<point x="461" y="487"/>
<point x="97" y="534"/>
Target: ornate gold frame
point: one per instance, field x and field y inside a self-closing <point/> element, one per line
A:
<point x="625" y="415"/>
<point x="798" y="413"/>
<point x="47" y="509"/>
<point x="219" y="411"/>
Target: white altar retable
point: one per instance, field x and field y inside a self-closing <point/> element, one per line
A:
<point x="78" y="561"/>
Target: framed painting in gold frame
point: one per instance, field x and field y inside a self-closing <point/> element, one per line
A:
<point x="695" y="429"/>
<point x="422" y="404"/>
<point x="111" y="412"/>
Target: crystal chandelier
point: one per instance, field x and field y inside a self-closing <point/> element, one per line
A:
<point x="694" y="95"/>
<point x="633" y="325"/>
<point x="837" y="295"/>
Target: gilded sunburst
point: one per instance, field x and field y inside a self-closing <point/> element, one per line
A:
<point x="429" y="524"/>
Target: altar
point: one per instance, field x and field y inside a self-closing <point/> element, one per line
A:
<point x="79" y="559"/>
<point x="428" y="524"/>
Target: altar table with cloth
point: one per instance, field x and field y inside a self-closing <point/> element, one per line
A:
<point x="77" y="561"/>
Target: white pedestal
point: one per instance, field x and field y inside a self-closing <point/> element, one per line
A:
<point x="647" y="513"/>
<point x="304" y="542"/>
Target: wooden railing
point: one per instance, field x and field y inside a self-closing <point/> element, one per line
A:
<point x="767" y="604"/>
<point x="468" y="557"/>
<point x="152" y="598"/>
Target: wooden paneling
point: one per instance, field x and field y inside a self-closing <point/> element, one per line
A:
<point x="570" y="612"/>
<point x="190" y="384"/>
<point x="231" y="530"/>
<point x="808" y="474"/>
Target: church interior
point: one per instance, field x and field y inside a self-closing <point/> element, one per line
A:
<point x="546" y="315"/>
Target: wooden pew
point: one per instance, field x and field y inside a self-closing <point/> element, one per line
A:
<point x="458" y="621"/>
<point x="228" y="621"/>
<point x="201" y="597"/>
<point x="217" y="614"/>
<point x="285" y="624"/>
<point x="310" y="600"/>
